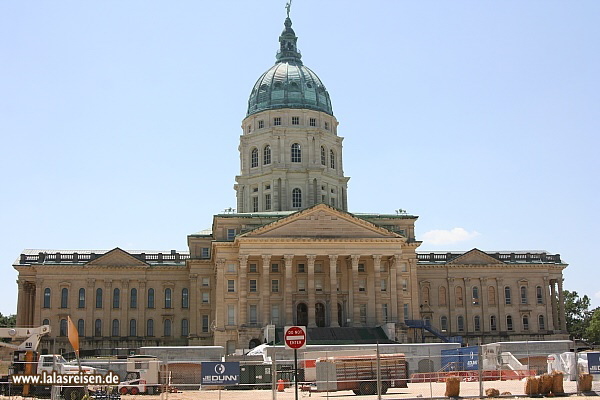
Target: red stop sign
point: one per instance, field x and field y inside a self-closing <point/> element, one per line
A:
<point x="295" y="337"/>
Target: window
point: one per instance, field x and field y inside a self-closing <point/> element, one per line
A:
<point x="275" y="285"/>
<point x="230" y="314"/>
<point x="64" y="298"/>
<point x="384" y="285"/>
<point x="253" y="268"/>
<point x="185" y="327"/>
<point x="425" y="295"/>
<point x="323" y="156"/>
<point x="277" y="121"/>
<point x="361" y="267"/>
<point x="493" y="323"/>
<point x="230" y="285"/>
<point x="116" y="298"/>
<point x="230" y="234"/>
<point x="150" y="298"/>
<point x="385" y="313"/>
<point x="115" y="328"/>
<point x="509" y="323"/>
<point x="331" y="159"/>
<point x="492" y="295"/>
<point x="362" y="285"/>
<point x="363" y="314"/>
<point x="205" y="252"/>
<point x="296" y="198"/>
<point x="132" y="327"/>
<point x="185" y="298"/>
<point x="255" y="204"/>
<point x="327" y="125"/>
<point x="459" y="296"/>
<point x="168" y="293"/>
<point x="523" y="295"/>
<point x="205" y="282"/>
<point x="47" y="295"/>
<point x="313" y="122"/>
<point x="301" y="285"/>
<point x="205" y="297"/>
<point x="541" y="323"/>
<point x="442" y="296"/>
<point x="252" y="286"/>
<point x="404" y="285"/>
<point x="405" y="310"/>
<point x="525" y="322"/>
<point x="274" y="267"/>
<point x="477" y="323"/>
<point x="332" y="202"/>
<point x="275" y="314"/>
<point x="507" y="295"/>
<point x="254" y="158"/>
<point x="46" y="321"/>
<point x="318" y="268"/>
<point x="98" y="328"/>
<point x="461" y="323"/>
<point x="267" y="202"/>
<point x="475" y="295"/>
<point x="167" y="328"/>
<point x="253" y="314"/>
<point x="267" y="155"/>
<point x="205" y="323"/>
<point x="295" y="120"/>
<point x="81" y="327"/>
<point x="539" y="294"/>
<point x="150" y="327"/>
<point x="296" y="153"/>
<point x="133" y="298"/>
<point x="301" y="268"/>
<point x="319" y="285"/>
<point x="81" y="302"/>
<point x="444" y="324"/>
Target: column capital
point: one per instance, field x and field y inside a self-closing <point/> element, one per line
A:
<point x="193" y="277"/>
<point x="288" y="258"/>
<point x="333" y="257"/>
<point x="125" y="283"/>
<point x="311" y="258"/>
<point x="243" y="258"/>
<point x="108" y="283"/>
<point x="266" y="258"/>
<point x="220" y="262"/>
<point x="91" y="282"/>
<point x="142" y="283"/>
<point x="377" y="258"/>
<point x="355" y="258"/>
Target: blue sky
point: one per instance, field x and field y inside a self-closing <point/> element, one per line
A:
<point x="120" y="121"/>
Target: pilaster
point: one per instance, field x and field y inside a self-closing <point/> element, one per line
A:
<point x="311" y="290"/>
<point x="333" y="283"/>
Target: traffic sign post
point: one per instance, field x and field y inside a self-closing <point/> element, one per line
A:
<point x="295" y="338"/>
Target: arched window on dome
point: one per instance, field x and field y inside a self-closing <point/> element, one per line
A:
<point x="296" y="198"/>
<point x="331" y="159"/>
<point x="296" y="153"/>
<point x="254" y="158"/>
<point x="267" y="155"/>
<point x="323" y="156"/>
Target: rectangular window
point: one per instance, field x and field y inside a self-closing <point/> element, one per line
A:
<point x="539" y="295"/>
<point x="275" y="314"/>
<point x="205" y="297"/>
<point x="230" y="285"/>
<point x="274" y="267"/>
<point x="267" y="202"/>
<point x="205" y="282"/>
<point x="507" y="295"/>
<point x="327" y="125"/>
<point x="301" y="268"/>
<point x="362" y="285"/>
<point x="332" y="202"/>
<point x="318" y="268"/>
<point x="231" y="268"/>
<point x="385" y="312"/>
<point x="252" y="286"/>
<point x="255" y="204"/>
<point x="295" y="120"/>
<point x="253" y="314"/>
<point x="384" y="285"/>
<point x="361" y="267"/>
<point x="301" y="285"/>
<point x="277" y="121"/>
<point x="230" y="314"/>
<point x="404" y="267"/>
<point x="404" y="285"/>
<point x="205" y="252"/>
<point x="405" y="310"/>
<point x="249" y="129"/>
<point x="205" y="323"/>
<point x="230" y="234"/>
<point x="363" y="313"/>
<point x="275" y="286"/>
<point x="319" y="285"/>
<point x="253" y="268"/>
<point x="261" y="124"/>
<point x="313" y="122"/>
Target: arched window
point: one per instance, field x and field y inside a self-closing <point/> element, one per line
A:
<point x="133" y="298"/>
<point x="460" y="323"/>
<point x="185" y="327"/>
<point x="475" y="295"/>
<point x="132" y="327"/>
<point x="115" y="328"/>
<point x="442" y="296"/>
<point x="81" y="327"/>
<point x="525" y="322"/>
<point x="64" y="298"/>
<point x="81" y="302"/>
<point x="47" y="295"/>
<point x="296" y="198"/>
<point x="267" y="155"/>
<point x="541" y="323"/>
<point x="459" y="296"/>
<point x="296" y="153"/>
<point x="46" y="321"/>
<point x="167" y="328"/>
<point x="63" y="328"/>
<point x="444" y="324"/>
<point x="507" y="295"/>
<point x="116" y="298"/>
<point x="425" y="294"/>
<point x="492" y="296"/>
<point x="150" y="327"/>
<point x="331" y="159"/>
<point x="323" y="156"/>
<point x="477" y="323"/>
<point x="254" y="158"/>
<point x="493" y="323"/>
<point x="98" y="328"/>
<point x="150" y="298"/>
<point x="523" y="295"/>
<point x="168" y="293"/>
<point x="509" y="323"/>
<point x="98" y="298"/>
<point x="185" y="298"/>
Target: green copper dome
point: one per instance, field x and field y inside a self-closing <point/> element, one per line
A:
<point x="288" y="83"/>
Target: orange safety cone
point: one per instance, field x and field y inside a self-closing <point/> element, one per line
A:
<point x="280" y="385"/>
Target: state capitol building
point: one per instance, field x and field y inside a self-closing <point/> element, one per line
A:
<point x="292" y="254"/>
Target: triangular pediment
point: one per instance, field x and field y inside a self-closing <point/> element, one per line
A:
<point x="321" y="222"/>
<point x="475" y="257"/>
<point x="117" y="258"/>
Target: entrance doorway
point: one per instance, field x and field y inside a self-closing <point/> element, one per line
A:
<point x="301" y="314"/>
<point x="340" y="315"/>
<point x="320" y="315"/>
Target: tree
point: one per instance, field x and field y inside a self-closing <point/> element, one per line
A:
<point x="577" y="313"/>
<point x="8" y="321"/>
<point x="592" y="332"/>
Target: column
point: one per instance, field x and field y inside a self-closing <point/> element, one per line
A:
<point x="20" y="303"/>
<point x="143" y="309"/>
<point x="561" y="306"/>
<point x="220" y="316"/>
<point x="468" y="298"/>
<point x="354" y="291"/>
<point x="548" y="316"/>
<point x="193" y="306"/>
<point x="287" y="297"/>
<point x="90" y="306"/>
<point x="333" y="297"/>
<point x="106" y="308"/>
<point x="501" y="306"/>
<point x="393" y="262"/>
<point x="37" y="317"/>
<point x="311" y="290"/>
<point x="377" y="289"/>
<point x="243" y="295"/>
<point x="27" y="311"/>
<point x="553" y="302"/>
<point x="264" y="290"/>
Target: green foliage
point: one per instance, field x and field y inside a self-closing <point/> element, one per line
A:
<point x="592" y="332"/>
<point x="8" y="321"/>
<point x="577" y="314"/>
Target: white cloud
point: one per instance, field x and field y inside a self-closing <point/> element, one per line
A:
<point x="454" y="235"/>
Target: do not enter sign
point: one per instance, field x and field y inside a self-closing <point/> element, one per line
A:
<point x="295" y="337"/>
